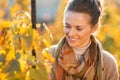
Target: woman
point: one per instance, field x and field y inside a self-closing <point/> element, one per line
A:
<point x="79" y="55"/>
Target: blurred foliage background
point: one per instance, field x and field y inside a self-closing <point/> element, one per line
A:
<point x="18" y="40"/>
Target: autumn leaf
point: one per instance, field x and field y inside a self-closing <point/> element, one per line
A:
<point x="48" y="56"/>
<point x="10" y="55"/>
<point x="46" y="43"/>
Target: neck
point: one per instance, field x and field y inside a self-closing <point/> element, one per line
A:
<point x="84" y="47"/>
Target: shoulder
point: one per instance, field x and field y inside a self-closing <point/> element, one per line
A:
<point x="108" y="58"/>
<point x="110" y="66"/>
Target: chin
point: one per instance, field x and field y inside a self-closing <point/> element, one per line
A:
<point x="72" y="45"/>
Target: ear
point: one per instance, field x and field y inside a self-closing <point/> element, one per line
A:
<point x="95" y="27"/>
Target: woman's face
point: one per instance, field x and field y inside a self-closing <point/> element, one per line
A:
<point x="77" y="28"/>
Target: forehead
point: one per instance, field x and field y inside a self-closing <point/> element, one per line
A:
<point x="77" y="17"/>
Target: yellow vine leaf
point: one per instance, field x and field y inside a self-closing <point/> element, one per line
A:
<point x="48" y="56"/>
<point x="1" y="41"/>
<point x="10" y="55"/>
<point x="27" y="75"/>
<point x="48" y="31"/>
<point x="22" y="30"/>
<point x="46" y="43"/>
<point x="4" y="24"/>
<point x="22" y="65"/>
<point x="46" y="27"/>
<point x="3" y="76"/>
<point x="2" y="51"/>
<point x="38" y="25"/>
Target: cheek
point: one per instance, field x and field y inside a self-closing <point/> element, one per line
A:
<point x="81" y="34"/>
<point x="85" y="34"/>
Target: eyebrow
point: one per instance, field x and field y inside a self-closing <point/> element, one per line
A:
<point x="75" y="26"/>
<point x="67" y="24"/>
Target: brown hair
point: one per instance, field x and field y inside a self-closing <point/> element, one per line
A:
<point x="92" y="7"/>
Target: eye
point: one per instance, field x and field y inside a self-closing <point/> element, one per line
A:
<point x="78" y="28"/>
<point x="66" y="26"/>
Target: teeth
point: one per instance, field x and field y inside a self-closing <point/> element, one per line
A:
<point x="73" y="39"/>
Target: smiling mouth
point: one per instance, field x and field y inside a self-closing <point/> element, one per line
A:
<point x="72" y="39"/>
